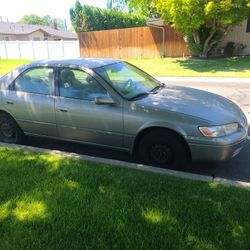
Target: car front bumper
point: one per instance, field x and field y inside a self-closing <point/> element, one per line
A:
<point x="217" y="149"/>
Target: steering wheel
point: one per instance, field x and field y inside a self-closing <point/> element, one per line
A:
<point x="67" y="85"/>
<point x="128" y="86"/>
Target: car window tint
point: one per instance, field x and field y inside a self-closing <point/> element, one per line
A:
<point x="37" y="80"/>
<point x="79" y="85"/>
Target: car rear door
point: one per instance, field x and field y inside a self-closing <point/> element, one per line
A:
<point x="29" y="99"/>
<point x="79" y="117"/>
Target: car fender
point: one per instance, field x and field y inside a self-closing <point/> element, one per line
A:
<point x="156" y="125"/>
<point x="163" y="124"/>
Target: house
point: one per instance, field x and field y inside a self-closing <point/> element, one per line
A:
<point x="239" y="35"/>
<point x="26" y="32"/>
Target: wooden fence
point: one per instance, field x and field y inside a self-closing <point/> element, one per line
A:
<point x="142" y="42"/>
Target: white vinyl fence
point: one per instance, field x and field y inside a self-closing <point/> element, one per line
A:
<point x="39" y="49"/>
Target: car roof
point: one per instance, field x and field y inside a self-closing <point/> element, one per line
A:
<point x="90" y="63"/>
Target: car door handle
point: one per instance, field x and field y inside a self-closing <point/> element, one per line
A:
<point x="62" y="109"/>
<point x="9" y="102"/>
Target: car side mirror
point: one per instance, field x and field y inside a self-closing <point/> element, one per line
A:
<point x="102" y="100"/>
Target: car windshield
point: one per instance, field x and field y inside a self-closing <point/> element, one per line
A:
<point x="128" y="80"/>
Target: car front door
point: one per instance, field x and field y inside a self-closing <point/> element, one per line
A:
<point x="79" y="117"/>
<point x="29" y="99"/>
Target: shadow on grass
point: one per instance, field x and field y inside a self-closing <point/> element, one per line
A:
<point x="51" y="202"/>
<point x="238" y="64"/>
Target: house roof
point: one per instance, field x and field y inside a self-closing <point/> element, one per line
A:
<point x="25" y="29"/>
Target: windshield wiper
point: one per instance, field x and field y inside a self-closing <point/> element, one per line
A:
<point x="157" y="87"/>
<point x="152" y="91"/>
<point x="139" y="95"/>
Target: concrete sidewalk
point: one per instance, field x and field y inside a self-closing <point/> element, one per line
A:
<point x="235" y="89"/>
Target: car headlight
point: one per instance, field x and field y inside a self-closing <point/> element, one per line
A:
<point x="218" y="131"/>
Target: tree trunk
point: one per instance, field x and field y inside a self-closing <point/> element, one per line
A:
<point x="196" y="37"/>
<point x="207" y="46"/>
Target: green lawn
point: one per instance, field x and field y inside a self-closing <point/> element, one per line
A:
<point x="224" y="67"/>
<point x="7" y="65"/>
<point x="51" y="202"/>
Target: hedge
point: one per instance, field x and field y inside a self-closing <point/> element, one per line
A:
<point x="89" y="18"/>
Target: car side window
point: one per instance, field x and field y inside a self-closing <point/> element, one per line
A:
<point x="36" y="80"/>
<point x="78" y="84"/>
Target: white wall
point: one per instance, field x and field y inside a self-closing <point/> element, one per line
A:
<point x="37" y="50"/>
<point x="238" y="34"/>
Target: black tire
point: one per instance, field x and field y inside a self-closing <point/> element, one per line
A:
<point x="163" y="149"/>
<point x="10" y="132"/>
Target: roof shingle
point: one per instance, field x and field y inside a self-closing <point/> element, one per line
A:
<point x="25" y="29"/>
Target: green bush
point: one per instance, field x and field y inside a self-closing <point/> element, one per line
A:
<point x="229" y="49"/>
<point x="195" y="48"/>
<point x="89" y="18"/>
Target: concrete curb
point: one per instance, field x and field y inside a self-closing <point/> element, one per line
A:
<point x="227" y="182"/>
<point x="113" y="162"/>
<point x="169" y="172"/>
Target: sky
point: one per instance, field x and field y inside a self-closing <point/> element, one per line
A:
<point x="15" y="9"/>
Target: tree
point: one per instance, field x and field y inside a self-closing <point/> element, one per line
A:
<point x="60" y="23"/>
<point x="34" y="19"/>
<point x="109" y="4"/>
<point x="76" y="17"/>
<point x="202" y="22"/>
<point x="89" y="18"/>
<point x="44" y="20"/>
<point x="118" y="4"/>
<point x="144" y="7"/>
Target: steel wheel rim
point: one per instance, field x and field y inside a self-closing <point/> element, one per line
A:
<point x="161" y="153"/>
<point x="7" y="130"/>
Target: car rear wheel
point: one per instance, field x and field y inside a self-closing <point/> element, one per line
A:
<point x="162" y="149"/>
<point x="9" y="130"/>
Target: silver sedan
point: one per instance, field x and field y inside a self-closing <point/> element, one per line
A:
<point x="111" y="103"/>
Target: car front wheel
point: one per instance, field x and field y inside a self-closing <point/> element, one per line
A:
<point x="162" y="149"/>
<point x="9" y="130"/>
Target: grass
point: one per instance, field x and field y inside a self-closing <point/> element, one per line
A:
<point x="51" y="202"/>
<point x="220" y="67"/>
<point x="7" y="65"/>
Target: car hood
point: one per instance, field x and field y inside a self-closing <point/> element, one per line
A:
<point x="193" y="102"/>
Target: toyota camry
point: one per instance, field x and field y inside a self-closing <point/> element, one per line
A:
<point x="111" y="103"/>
